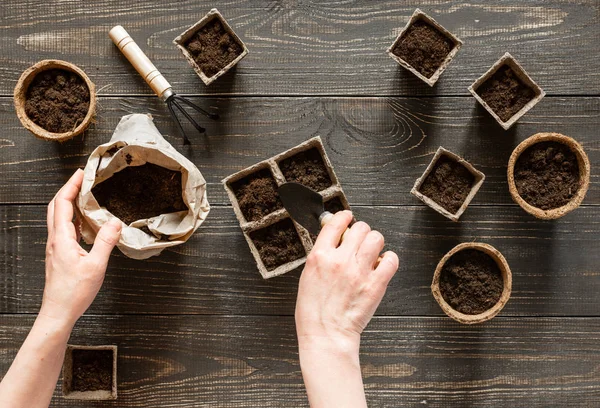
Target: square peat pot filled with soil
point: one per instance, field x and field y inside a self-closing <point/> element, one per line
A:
<point x="90" y="373"/>
<point x="253" y="193"/>
<point x="448" y="184"/>
<point x="424" y="47"/>
<point x="211" y="46"/>
<point x="278" y="248"/>
<point x="309" y="167"/>
<point x="506" y="91"/>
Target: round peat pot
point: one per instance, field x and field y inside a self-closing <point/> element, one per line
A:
<point x="20" y="97"/>
<point x="506" y="280"/>
<point x="584" y="175"/>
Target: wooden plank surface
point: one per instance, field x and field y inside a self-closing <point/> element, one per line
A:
<point x="378" y="146"/>
<point x="556" y="266"/>
<point x="308" y="47"/>
<point x="184" y="361"/>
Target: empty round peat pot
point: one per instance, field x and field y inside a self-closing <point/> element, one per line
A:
<point x="496" y="256"/>
<point x="21" y="94"/>
<point x="583" y="171"/>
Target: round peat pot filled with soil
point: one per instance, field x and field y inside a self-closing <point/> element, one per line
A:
<point x="472" y="283"/>
<point x="548" y="175"/>
<point x="55" y="100"/>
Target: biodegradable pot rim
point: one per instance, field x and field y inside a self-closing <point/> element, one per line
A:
<point x="584" y="175"/>
<point x="479" y="179"/>
<point x="506" y="279"/>
<point x="180" y="40"/>
<point x="418" y="14"/>
<point x="20" y="93"/>
<point x="99" y="395"/>
<point x="508" y="59"/>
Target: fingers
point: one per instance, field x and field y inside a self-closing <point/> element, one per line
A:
<point x="331" y="233"/>
<point x="107" y="238"/>
<point x="369" y="250"/>
<point x="63" y="204"/>
<point x="386" y="269"/>
<point x="355" y="236"/>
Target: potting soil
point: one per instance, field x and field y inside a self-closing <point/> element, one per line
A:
<point x="57" y="100"/>
<point x="92" y="370"/>
<point x="278" y="244"/>
<point x="424" y="47"/>
<point x="257" y="195"/>
<point x="141" y="192"/>
<point x="307" y="168"/>
<point x="505" y="93"/>
<point x="448" y="184"/>
<point x="213" y="48"/>
<point x="547" y="175"/>
<point x="471" y="282"/>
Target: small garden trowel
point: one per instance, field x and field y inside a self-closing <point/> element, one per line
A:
<point x="306" y="207"/>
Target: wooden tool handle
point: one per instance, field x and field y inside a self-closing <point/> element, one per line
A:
<point x="326" y="217"/>
<point x="140" y="61"/>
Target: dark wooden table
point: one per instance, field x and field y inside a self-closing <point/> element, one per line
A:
<point x="198" y="326"/>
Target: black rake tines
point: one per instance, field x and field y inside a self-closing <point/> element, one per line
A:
<point x="176" y="101"/>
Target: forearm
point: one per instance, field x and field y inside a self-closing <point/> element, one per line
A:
<point x="32" y="377"/>
<point x="332" y="374"/>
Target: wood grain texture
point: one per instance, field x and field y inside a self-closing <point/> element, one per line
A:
<point x="183" y="361"/>
<point x="556" y="266"/>
<point x="306" y="46"/>
<point x="378" y="146"/>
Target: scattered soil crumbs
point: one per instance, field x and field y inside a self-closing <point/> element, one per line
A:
<point x="448" y="184"/>
<point x="471" y="282"/>
<point x="424" y="47"/>
<point x="334" y="205"/>
<point x="140" y="192"/>
<point x="278" y="244"/>
<point x="257" y="195"/>
<point x="213" y="48"/>
<point x="92" y="370"/>
<point x="505" y="93"/>
<point x="547" y="175"/>
<point x="307" y="168"/>
<point x="57" y="100"/>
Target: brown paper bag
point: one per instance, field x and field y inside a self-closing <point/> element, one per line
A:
<point x="136" y="141"/>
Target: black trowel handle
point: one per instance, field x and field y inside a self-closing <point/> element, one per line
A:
<point x="326" y="217"/>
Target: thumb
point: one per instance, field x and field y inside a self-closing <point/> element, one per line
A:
<point x="105" y="241"/>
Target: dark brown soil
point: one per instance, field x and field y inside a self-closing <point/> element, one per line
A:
<point x="213" y="48"/>
<point x="257" y="195"/>
<point x="448" y="184"/>
<point x="278" y="244"/>
<point x="424" y="47"/>
<point x="57" y="100"/>
<point x="547" y="175"/>
<point x="334" y="205"/>
<point x="92" y="370"/>
<point x="307" y="168"/>
<point x="471" y="282"/>
<point x="140" y="192"/>
<point x="505" y="93"/>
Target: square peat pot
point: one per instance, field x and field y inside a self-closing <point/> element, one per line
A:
<point x="90" y="373"/>
<point x="211" y="46"/>
<point x="448" y="184"/>
<point x="506" y="107"/>
<point x="423" y="35"/>
<point x="278" y="244"/>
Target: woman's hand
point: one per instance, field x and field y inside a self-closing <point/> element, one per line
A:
<point x="73" y="276"/>
<point x="340" y="289"/>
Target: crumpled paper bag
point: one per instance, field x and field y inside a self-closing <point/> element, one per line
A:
<point x="136" y="141"/>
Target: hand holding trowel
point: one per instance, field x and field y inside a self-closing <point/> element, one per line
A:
<point x="306" y="207"/>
